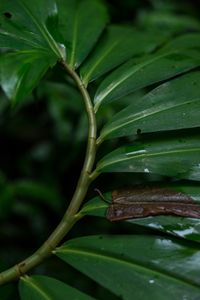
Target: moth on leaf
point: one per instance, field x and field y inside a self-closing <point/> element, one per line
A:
<point x="141" y="202"/>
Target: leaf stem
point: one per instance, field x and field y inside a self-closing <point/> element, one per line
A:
<point x="71" y="216"/>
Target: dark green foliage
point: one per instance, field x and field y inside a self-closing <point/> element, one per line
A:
<point x="140" y="64"/>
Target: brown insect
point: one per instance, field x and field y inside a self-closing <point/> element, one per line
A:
<point x="142" y="202"/>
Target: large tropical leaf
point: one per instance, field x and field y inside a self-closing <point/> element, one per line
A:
<point x="177" y="157"/>
<point x="43" y="288"/>
<point x="80" y="22"/>
<point x="172" y="105"/>
<point x="24" y="25"/>
<point x="21" y="71"/>
<point x="137" y="267"/>
<point x="118" y="44"/>
<point x="133" y="76"/>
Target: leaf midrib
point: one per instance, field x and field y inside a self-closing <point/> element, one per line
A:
<point x="99" y="98"/>
<point x="133" y="264"/>
<point x="99" y="61"/>
<point x="147" y="155"/>
<point x="38" y="289"/>
<point x="107" y="132"/>
<point x="43" y="31"/>
<point x="28" y="41"/>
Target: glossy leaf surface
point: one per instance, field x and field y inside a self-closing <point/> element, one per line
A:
<point x="27" y="27"/>
<point x="177" y="157"/>
<point x="133" y="76"/>
<point x="148" y="264"/>
<point x="118" y="44"/>
<point x="172" y="105"/>
<point x="43" y="288"/>
<point x="21" y="71"/>
<point x="24" y="25"/>
<point x="81" y="23"/>
<point x="187" y="228"/>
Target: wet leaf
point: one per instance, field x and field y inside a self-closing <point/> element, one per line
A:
<point x="148" y="264"/>
<point x="172" y="105"/>
<point x="176" y="157"/>
<point x="81" y="23"/>
<point x="133" y="75"/>
<point x="118" y="44"/>
<point x="24" y="26"/>
<point x="20" y="72"/>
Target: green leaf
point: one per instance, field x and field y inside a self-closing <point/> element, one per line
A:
<point x="24" y="25"/>
<point x="187" y="228"/>
<point x="96" y="207"/>
<point x="186" y="41"/>
<point x="21" y="71"/>
<point x="177" y="157"/>
<point x="118" y="44"/>
<point x="46" y="288"/>
<point x="155" y="68"/>
<point x="81" y="23"/>
<point x="170" y="106"/>
<point x="137" y="267"/>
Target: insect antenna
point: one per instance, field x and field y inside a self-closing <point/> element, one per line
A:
<point x="101" y="196"/>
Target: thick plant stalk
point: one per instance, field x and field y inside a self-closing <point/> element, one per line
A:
<point x="70" y="217"/>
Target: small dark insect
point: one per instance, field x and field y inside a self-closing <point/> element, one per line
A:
<point x="142" y="202"/>
<point x="8" y="15"/>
